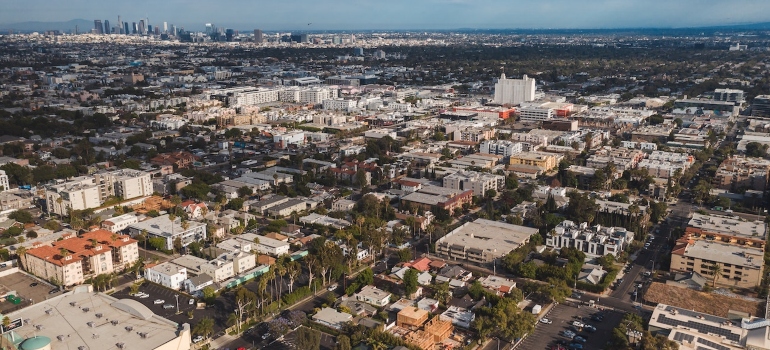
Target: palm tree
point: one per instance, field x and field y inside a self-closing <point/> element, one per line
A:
<point x="64" y="252"/>
<point x="716" y="269"/>
<point x="204" y="327"/>
<point x="93" y="242"/>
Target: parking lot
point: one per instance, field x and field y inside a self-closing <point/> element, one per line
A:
<point x="545" y="336"/>
<point x="157" y="292"/>
<point x="22" y="284"/>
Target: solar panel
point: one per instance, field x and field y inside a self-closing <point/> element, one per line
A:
<point x="712" y="344"/>
<point x="700" y="327"/>
<point x="683" y="337"/>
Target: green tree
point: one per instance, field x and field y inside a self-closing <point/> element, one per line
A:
<point x="308" y="338"/>
<point x="204" y="327"/>
<point x="22" y="216"/>
<point x="756" y="149"/>
<point x="343" y="343"/>
<point x="410" y="281"/>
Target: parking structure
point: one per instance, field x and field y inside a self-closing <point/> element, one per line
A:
<point x="546" y="336"/>
<point x="22" y="284"/>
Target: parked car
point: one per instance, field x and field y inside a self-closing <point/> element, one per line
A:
<point x="568" y="334"/>
<point x="589" y="328"/>
<point x="545" y="320"/>
<point x="197" y="339"/>
<point x="191" y="302"/>
<point x="158" y="301"/>
<point x="578" y="324"/>
<point x="579" y="339"/>
<point x="265" y="336"/>
<point x="168" y="306"/>
<point x="53" y="291"/>
<point x="332" y="287"/>
<point x="576" y="346"/>
<point x="33" y="284"/>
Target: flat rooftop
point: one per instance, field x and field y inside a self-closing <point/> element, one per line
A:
<point x="82" y="318"/>
<point x="729" y="225"/>
<point x="726" y="253"/>
<point x="161" y="226"/>
<point x="494" y="236"/>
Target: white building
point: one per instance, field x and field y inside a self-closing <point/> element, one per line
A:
<point x="594" y="241"/>
<point x="480" y="183"/>
<point x="373" y="295"/>
<point x="339" y="104"/>
<point x="119" y="223"/>
<point x="536" y="112"/>
<point x="514" y="91"/>
<point x="161" y="227"/>
<point x="500" y="147"/>
<point x="166" y="274"/>
<point x="218" y="269"/>
<point x="271" y="246"/>
<point x="296" y="138"/>
<point x="4" y="184"/>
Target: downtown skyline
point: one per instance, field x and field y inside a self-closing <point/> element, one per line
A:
<point x="423" y="14"/>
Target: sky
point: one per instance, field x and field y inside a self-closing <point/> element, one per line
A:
<point x="397" y="14"/>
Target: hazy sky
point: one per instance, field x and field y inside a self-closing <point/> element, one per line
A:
<point x="397" y="14"/>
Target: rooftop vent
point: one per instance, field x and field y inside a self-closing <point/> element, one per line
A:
<point x="86" y="309"/>
<point x="60" y="337"/>
<point x="120" y="345"/>
<point x="143" y="335"/>
<point x="98" y="315"/>
<point x="38" y="326"/>
<point x="129" y="328"/>
<point x="114" y="322"/>
<point x="90" y="324"/>
<point x="72" y="303"/>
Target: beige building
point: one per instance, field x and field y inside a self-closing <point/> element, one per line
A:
<point x="541" y="160"/>
<point x="735" y="245"/>
<point x="75" y="259"/>
<point x="480" y="183"/>
<point x="86" y="192"/>
<point x="483" y="241"/>
<point x="747" y="173"/>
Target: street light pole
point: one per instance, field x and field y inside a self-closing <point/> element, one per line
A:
<point x="177" y="302"/>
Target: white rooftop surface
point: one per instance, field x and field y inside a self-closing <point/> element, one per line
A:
<point x="168" y="268"/>
<point x="162" y="226"/>
<point x="489" y="235"/>
<point x="71" y="323"/>
<point x="726" y="253"/>
<point x="730" y="225"/>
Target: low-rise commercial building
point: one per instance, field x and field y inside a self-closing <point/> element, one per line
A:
<point x="742" y="173"/>
<point x="82" y="319"/>
<point x="444" y="198"/>
<point x="541" y="160"/>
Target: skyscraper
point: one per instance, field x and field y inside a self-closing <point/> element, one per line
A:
<point x="258" y="36"/>
<point x="149" y="29"/>
<point x="142" y="27"/>
<point x="173" y="30"/>
<point x="125" y="28"/>
<point x="514" y="91"/>
<point x="165" y="27"/>
<point x="98" y="26"/>
<point x="120" y="26"/>
<point x="107" y="29"/>
<point x="135" y="27"/>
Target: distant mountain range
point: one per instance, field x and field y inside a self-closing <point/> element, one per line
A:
<point x="35" y="26"/>
<point x="86" y="25"/>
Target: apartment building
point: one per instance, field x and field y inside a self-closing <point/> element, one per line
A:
<point x="478" y="182"/>
<point x="339" y="104"/>
<point x="373" y="295"/>
<point x="474" y="134"/>
<point x="162" y="227"/>
<point x="624" y="159"/>
<point x="86" y="192"/>
<point x="541" y="160"/>
<point x="74" y="259"/>
<point x="166" y="274"/>
<point x="446" y="198"/>
<point x="592" y="240"/>
<point x="734" y="244"/>
<point x="483" y="241"/>
<point x="501" y="147"/>
<point x="514" y="91"/>
<point x="119" y="223"/>
<point x="533" y="140"/>
<point x="4" y="184"/>
<point x="747" y="173"/>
